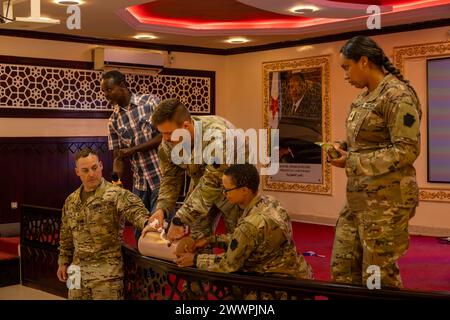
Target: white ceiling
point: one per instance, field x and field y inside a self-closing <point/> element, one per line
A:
<point x="102" y="19"/>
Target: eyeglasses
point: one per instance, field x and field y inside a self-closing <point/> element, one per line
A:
<point x="225" y="191"/>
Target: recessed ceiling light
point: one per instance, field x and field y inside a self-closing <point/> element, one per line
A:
<point x="237" y="40"/>
<point x="68" y="2"/>
<point x="303" y="9"/>
<point x="145" y="37"/>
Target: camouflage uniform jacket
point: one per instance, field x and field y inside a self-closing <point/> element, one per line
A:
<point x="383" y="142"/>
<point x="206" y="179"/>
<point x="261" y="243"/>
<point x="90" y="232"/>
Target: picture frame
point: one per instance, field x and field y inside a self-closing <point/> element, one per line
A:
<point x="402" y="56"/>
<point x="296" y="101"/>
<point x="438" y="115"/>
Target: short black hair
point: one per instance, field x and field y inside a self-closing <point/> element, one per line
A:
<point x="244" y="175"/>
<point x="170" y="110"/>
<point x="83" y="153"/>
<point x="117" y="77"/>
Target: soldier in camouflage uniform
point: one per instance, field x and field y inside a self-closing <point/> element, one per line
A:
<point x="262" y="241"/>
<point x="91" y="231"/>
<point x="383" y="141"/>
<point x="205" y="193"/>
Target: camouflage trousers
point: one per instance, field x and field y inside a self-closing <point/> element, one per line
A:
<point x="98" y="290"/>
<point x="375" y="236"/>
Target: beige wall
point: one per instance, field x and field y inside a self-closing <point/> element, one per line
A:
<point x="239" y="98"/>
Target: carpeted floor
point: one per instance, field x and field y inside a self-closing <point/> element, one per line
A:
<point x="426" y="265"/>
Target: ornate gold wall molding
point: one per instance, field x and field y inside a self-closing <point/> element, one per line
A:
<point x="430" y="194"/>
<point x="429" y="50"/>
<point x="425" y="51"/>
<point x="302" y="65"/>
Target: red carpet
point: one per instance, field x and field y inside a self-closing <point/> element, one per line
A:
<point x="425" y="266"/>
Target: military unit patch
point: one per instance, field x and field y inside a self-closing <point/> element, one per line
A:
<point x="408" y="120"/>
<point x="233" y="244"/>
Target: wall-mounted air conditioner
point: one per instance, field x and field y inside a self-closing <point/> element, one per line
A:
<point x="128" y="60"/>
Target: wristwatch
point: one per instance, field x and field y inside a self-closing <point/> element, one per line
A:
<point x="166" y="214"/>
<point x="176" y="221"/>
<point x="195" y="259"/>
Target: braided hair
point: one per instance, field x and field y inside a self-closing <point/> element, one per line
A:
<point x="360" y="46"/>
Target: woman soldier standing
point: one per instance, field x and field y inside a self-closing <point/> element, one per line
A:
<point x="383" y="141"/>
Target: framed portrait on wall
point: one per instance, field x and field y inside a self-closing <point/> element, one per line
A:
<point x="296" y="101"/>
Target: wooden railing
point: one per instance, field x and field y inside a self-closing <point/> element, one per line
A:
<point x="39" y="239"/>
<point x="151" y="278"/>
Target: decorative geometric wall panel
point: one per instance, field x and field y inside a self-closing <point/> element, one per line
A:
<point x="42" y="88"/>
